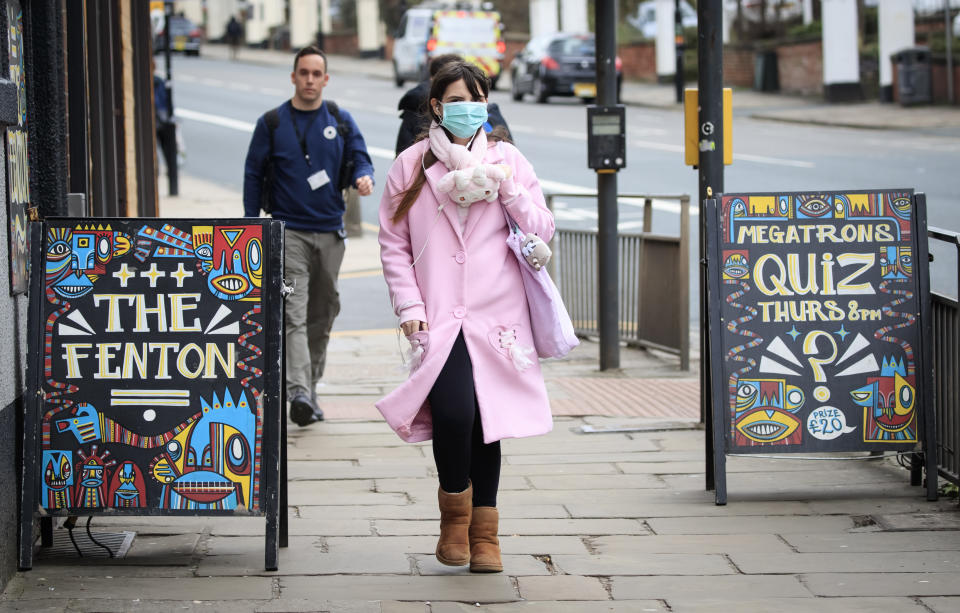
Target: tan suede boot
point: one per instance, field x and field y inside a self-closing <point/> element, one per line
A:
<point x="484" y="544"/>
<point x="453" y="548"/>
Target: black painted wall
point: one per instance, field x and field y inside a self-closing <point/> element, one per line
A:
<point x="46" y="104"/>
<point x="46" y="121"/>
<point x="11" y="422"/>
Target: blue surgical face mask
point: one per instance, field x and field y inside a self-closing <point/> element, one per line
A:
<point x="463" y="119"/>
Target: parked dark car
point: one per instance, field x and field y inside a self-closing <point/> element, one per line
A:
<point x="185" y="36"/>
<point x="560" y="64"/>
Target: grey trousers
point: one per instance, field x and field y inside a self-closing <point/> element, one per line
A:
<point x="311" y="264"/>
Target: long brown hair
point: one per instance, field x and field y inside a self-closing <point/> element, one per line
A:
<point x="478" y="85"/>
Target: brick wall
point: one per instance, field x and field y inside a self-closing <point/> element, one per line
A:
<point x="639" y="61"/>
<point x="938" y="78"/>
<point x="341" y="44"/>
<point x="738" y="65"/>
<point x="800" y="67"/>
<point x="514" y="46"/>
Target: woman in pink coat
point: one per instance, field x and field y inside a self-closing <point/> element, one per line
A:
<point x="457" y="291"/>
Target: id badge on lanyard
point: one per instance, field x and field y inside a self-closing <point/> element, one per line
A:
<point x="318" y="179"/>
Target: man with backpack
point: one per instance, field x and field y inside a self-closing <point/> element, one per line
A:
<point x="302" y="156"/>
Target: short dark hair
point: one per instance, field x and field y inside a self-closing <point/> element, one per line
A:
<point x="311" y="50"/>
<point x="442" y="60"/>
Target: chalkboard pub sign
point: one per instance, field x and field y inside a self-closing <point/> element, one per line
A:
<point x="819" y="318"/>
<point x="155" y="369"/>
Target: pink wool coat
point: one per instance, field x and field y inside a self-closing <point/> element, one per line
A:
<point x="465" y="280"/>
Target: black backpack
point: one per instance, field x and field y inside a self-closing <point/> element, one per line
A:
<point x="344" y="180"/>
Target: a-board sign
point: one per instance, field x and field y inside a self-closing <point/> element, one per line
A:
<point x="155" y="368"/>
<point x="817" y="328"/>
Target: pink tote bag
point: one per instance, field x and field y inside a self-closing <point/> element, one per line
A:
<point x="553" y="335"/>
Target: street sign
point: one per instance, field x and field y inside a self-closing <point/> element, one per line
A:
<point x="819" y="311"/>
<point x="154" y="384"/>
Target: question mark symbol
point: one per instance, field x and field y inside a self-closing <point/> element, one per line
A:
<point x="821" y="392"/>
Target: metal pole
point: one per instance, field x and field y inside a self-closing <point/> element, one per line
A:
<point x="608" y="322"/>
<point x="678" y="43"/>
<point x="170" y="138"/>
<point x="948" y="36"/>
<point x="710" y="125"/>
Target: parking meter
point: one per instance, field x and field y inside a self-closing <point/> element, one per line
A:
<point x="606" y="138"/>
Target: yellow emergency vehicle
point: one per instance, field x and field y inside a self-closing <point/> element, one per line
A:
<point x="430" y="30"/>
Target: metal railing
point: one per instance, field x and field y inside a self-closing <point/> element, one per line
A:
<point x="946" y="368"/>
<point x="654" y="275"/>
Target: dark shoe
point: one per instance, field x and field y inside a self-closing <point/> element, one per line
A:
<point x="303" y="411"/>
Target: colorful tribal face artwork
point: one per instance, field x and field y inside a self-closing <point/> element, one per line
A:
<point x="209" y="465"/>
<point x="203" y="247"/>
<point x="231" y="257"/>
<point x="815" y="206"/>
<point x="127" y="487"/>
<point x="766" y="412"/>
<point x="237" y="261"/>
<point x="56" y="489"/>
<point x="735" y="265"/>
<point x="76" y="257"/>
<point x="889" y="402"/>
<point x="896" y="262"/>
<point x="92" y="476"/>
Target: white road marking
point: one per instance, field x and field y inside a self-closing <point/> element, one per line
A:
<point x="578" y="136"/>
<point x="213" y="82"/>
<point x="569" y="134"/>
<point x="234" y="124"/>
<point x="387" y="154"/>
<point x="762" y="159"/>
<point x="380" y="152"/>
<point x="647" y="144"/>
<point x="524" y="130"/>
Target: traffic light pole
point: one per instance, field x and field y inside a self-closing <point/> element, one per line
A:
<point x="710" y="143"/>
<point x="607" y="274"/>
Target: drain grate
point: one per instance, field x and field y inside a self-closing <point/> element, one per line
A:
<point x="62" y="549"/>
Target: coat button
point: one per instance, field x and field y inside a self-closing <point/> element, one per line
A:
<point x="460" y="257"/>
<point x="460" y="312"/>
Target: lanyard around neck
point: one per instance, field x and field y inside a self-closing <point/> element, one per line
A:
<point x="301" y="138"/>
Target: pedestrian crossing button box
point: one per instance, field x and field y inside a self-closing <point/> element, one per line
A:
<point x="606" y="138"/>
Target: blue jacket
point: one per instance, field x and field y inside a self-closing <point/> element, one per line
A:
<point x="303" y="208"/>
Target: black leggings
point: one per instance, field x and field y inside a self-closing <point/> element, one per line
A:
<point x="458" y="447"/>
